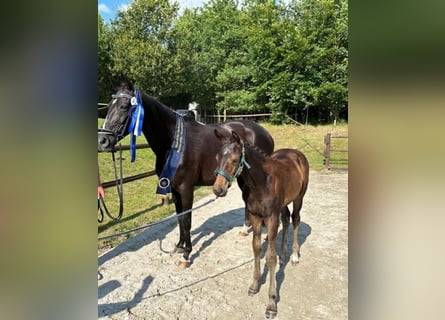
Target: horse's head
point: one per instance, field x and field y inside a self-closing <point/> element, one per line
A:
<point x="117" y="120"/>
<point x="230" y="160"/>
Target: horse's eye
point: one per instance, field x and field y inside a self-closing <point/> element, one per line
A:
<point x="235" y="161"/>
<point x="123" y="107"/>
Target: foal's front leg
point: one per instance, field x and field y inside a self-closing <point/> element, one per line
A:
<point x="271" y="261"/>
<point x="257" y="224"/>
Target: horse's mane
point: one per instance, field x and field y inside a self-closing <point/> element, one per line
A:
<point x="155" y="101"/>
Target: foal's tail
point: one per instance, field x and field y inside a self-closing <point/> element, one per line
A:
<point x="303" y="167"/>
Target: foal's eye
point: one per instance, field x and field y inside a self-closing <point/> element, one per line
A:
<point x="235" y="161"/>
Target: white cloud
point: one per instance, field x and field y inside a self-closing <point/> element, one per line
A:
<point x="104" y="8"/>
<point x="123" y="7"/>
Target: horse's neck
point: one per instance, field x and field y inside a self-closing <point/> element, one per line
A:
<point x="256" y="175"/>
<point x="159" y="125"/>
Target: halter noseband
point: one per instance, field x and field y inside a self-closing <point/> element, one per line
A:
<point x="238" y="170"/>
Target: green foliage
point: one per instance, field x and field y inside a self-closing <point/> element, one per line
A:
<point x="143" y="46"/>
<point x="249" y="57"/>
<point x="104" y="61"/>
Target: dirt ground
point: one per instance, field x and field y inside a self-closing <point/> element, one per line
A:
<point x="140" y="278"/>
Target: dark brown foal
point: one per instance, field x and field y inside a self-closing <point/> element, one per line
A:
<point x="273" y="182"/>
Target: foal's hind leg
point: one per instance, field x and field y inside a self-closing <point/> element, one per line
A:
<point x="285" y="216"/>
<point x="296" y="223"/>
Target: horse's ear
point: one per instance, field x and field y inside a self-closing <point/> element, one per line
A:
<point x="236" y="137"/>
<point x="127" y="82"/>
<point x="221" y="137"/>
<point x="121" y="81"/>
<point x="114" y="82"/>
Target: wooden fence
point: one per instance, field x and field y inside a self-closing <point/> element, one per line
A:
<point x="329" y="149"/>
<point x="112" y="183"/>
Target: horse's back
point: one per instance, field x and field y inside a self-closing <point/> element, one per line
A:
<point x="253" y="133"/>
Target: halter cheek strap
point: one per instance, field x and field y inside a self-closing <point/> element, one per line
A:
<point x="240" y="168"/>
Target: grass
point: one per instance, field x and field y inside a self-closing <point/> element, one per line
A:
<point x="142" y="205"/>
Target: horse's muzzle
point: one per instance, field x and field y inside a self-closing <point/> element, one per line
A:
<point x="106" y="141"/>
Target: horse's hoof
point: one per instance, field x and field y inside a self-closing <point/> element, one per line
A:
<point x="252" y="292"/>
<point x="178" y="250"/>
<point x="270" y="314"/>
<point x="243" y="233"/>
<point x="294" y="263"/>
<point x="183" y="264"/>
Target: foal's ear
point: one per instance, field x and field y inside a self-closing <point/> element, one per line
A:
<point x="220" y="136"/>
<point x="236" y="137"/>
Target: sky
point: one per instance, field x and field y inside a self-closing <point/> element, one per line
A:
<point x="108" y="8"/>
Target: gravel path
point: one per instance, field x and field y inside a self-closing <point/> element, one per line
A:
<point x="140" y="279"/>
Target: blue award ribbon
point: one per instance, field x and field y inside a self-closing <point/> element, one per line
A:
<point x="174" y="157"/>
<point x="137" y="119"/>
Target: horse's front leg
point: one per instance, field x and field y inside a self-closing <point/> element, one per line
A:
<point x="245" y="193"/>
<point x="183" y="202"/>
<point x="257" y="224"/>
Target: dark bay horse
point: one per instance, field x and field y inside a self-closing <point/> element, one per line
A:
<point x="197" y="163"/>
<point x="271" y="183"/>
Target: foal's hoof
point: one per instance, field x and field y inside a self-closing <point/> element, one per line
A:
<point x="252" y="292"/>
<point x="183" y="264"/>
<point x="294" y="259"/>
<point x="270" y="314"/>
<point x="243" y="233"/>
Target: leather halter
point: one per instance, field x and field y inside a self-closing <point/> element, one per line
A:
<point x="120" y="133"/>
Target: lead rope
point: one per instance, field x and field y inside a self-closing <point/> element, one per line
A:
<point x="119" y="187"/>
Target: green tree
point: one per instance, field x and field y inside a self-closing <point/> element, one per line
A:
<point x="103" y="60"/>
<point x="323" y="24"/>
<point x="144" y="48"/>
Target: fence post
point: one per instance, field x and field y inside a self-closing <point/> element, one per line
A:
<point x="327" y="150"/>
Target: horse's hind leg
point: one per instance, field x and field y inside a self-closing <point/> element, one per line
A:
<point x="247" y="224"/>
<point x="285" y="217"/>
<point x="296" y="223"/>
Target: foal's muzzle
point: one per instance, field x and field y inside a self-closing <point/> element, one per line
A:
<point x="220" y="188"/>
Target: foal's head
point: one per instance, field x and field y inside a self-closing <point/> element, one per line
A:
<point x="231" y="161"/>
<point x="116" y="123"/>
